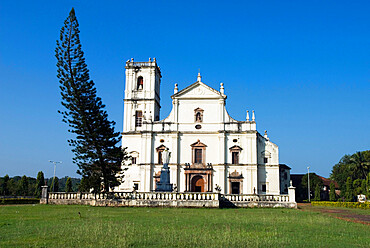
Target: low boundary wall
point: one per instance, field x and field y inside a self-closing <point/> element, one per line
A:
<point x="167" y="199"/>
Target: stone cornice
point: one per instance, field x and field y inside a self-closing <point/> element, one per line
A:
<point x="268" y="165"/>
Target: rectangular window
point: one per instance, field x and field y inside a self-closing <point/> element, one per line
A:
<point x="136" y="186"/>
<point x="160" y="161"/>
<point x="198" y="156"/>
<point x="133" y="160"/>
<point x="235" y="187"/>
<point x="139" y="118"/>
<point x="264" y="188"/>
<point x="235" y="157"/>
<point x="265" y="160"/>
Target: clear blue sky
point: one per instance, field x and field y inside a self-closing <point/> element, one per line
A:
<point x="303" y="66"/>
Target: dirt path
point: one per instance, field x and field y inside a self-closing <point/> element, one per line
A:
<point x="339" y="213"/>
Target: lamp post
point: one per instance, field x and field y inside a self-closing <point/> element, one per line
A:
<point x="308" y="180"/>
<point x="55" y="165"/>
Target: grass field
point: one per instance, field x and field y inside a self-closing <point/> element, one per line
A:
<point x="61" y="226"/>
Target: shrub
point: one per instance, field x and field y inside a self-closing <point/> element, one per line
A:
<point x="363" y="205"/>
<point x="6" y="201"/>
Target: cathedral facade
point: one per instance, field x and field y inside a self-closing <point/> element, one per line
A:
<point x="209" y="149"/>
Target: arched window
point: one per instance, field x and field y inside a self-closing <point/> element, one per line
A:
<point x="198" y="114"/>
<point x="140" y="83"/>
<point x="198" y="117"/>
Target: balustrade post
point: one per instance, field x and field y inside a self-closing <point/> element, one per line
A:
<point x="44" y="195"/>
<point x="291" y="192"/>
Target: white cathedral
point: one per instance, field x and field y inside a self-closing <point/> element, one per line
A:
<point x="209" y="149"/>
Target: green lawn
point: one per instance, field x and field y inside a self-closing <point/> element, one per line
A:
<point x="61" y="226"/>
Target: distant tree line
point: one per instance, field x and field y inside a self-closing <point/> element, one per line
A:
<point x="29" y="186"/>
<point x="352" y="174"/>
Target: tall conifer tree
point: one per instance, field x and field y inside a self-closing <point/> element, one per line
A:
<point x="95" y="144"/>
<point x="40" y="181"/>
<point x="55" y="185"/>
<point x="332" y="195"/>
<point x="23" y="186"/>
<point x="68" y="187"/>
<point x="349" y="190"/>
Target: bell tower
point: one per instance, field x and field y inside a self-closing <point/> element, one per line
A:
<point x="142" y="91"/>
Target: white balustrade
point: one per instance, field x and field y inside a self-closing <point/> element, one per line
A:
<point x="170" y="196"/>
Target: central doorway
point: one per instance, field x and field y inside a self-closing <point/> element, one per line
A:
<point x="197" y="184"/>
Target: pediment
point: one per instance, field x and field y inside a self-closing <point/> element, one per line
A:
<point x="198" y="90"/>
<point x="161" y="148"/>
<point x="235" y="148"/>
<point x="198" y="144"/>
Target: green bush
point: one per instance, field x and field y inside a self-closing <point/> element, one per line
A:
<point x="6" y="201"/>
<point x="363" y="205"/>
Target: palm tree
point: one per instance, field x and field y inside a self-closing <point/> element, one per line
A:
<point x="360" y="164"/>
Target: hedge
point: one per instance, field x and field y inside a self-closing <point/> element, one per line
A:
<point x="6" y="201"/>
<point x="363" y="205"/>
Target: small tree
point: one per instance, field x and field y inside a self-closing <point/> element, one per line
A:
<point x="13" y="187"/>
<point x="68" y="187"/>
<point x="317" y="193"/>
<point x="349" y="190"/>
<point x="332" y="195"/>
<point x="55" y="185"/>
<point x="84" y="185"/>
<point x="40" y="181"/>
<point x="4" y="185"/>
<point x="357" y="186"/>
<point x="363" y="187"/>
<point x="23" y="186"/>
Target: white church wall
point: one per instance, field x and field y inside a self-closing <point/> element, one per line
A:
<point x="273" y="177"/>
<point x="178" y="132"/>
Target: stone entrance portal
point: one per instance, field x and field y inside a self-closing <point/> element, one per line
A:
<point x="198" y="178"/>
<point x="197" y="184"/>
